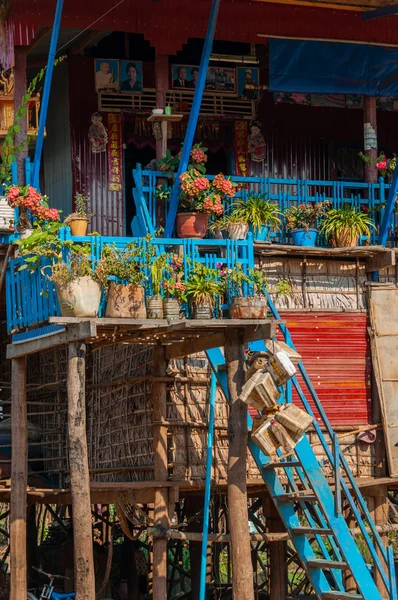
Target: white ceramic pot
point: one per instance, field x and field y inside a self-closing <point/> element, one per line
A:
<point x="238" y="231"/>
<point x="6" y="215"/>
<point x="79" y="298"/>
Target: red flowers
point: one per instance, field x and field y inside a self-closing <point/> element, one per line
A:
<point x="198" y="155"/>
<point x="213" y="205"/>
<point x="28" y="198"/>
<point x="224" y="185"/>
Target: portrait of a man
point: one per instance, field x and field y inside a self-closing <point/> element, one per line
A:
<point x="131" y="76"/>
<point x="106" y="75"/>
<point x="183" y="77"/>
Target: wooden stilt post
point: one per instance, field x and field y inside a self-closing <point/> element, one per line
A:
<point x="370" y="127"/>
<point x="277" y="552"/>
<point x="161" y="518"/>
<point x="79" y="474"/>
<point x="242" y="572"/>
<point x="162" y="85"/>
<point x="19" y="479"/>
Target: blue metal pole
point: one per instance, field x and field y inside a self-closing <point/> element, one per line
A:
<point x="46" y="93"/>
<point x="389" y="210"/>
<point x="206" y="507"/>
<point x="193" y="117"/>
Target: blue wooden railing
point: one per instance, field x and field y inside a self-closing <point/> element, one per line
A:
<point x="284" y="192"/>
<point x="32" y="298"/>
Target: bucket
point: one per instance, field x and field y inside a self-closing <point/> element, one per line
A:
<point x="301" y="237"/>
<point x="171" y="309"/>
<point x="263" y="437"/>
<point x="202" y="311"/>
<point x="79" y="298"/>
<point x="78" y="226"/>
<point x="294" y="419"/>
<point x="238" y="231"/>
<point x="154" y="306"/>
<point x="260" y="391"/>
<point x="248" y="308"/>
<point x="126" y="301"/>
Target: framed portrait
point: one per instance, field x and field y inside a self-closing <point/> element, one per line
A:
<point x="247" y="76"/>
<point x="106" y="75"/>
<point x="221" y="79"/>
<point x="131" y="77"/>
<point x="184" y="77"/>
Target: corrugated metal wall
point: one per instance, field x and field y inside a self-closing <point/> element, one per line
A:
<point x="57" y="147"/>
<point x="90" y="171"/>
<point x="336" y="354"/>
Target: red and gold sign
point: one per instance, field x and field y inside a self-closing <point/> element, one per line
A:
<point x="115" y="153"/>
<point x="241" y="145"/>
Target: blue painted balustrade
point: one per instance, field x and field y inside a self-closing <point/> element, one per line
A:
<point x="32" y="298"/>
<point x="284" y="192"/>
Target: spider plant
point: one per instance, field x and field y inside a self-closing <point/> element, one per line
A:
<point x="204" y="286"/>
<point x="344" y="225"/>
<point x="256" y="211"/>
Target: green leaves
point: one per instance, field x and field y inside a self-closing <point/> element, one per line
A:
<point x="255" y="211"/>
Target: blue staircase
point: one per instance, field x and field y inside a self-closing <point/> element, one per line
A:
<point x="319" y="533"/>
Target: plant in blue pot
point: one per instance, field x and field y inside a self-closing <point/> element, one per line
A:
<point x="301" y="222"/>
<point x="259" y="213"/>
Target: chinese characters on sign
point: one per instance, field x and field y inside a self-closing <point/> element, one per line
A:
<point x="241" y="142"/>
<point x="115" y="183"/>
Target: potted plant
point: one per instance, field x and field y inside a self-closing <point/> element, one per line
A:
<point x="78" y="287"/>
<point x="78" y="221"/>
<point x="126" y="267"/>
<point x="343" y="226"/>
<point x="301" y="222"/>
<point x="32" y="206"/>
<point x="203" y="288"/>
<point x="259" y="213"/>
<point x="154" y="303"/>
<point x="174" y="288"/>
<point x="244" y="305"/>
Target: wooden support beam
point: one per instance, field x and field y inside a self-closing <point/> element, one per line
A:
<point x="370" y="127"/>
<point x="191" y="536"/>
<point x="79" y="474"/>
<point x="19" y="479"/>
<point x="217" y="340"/>
<point x="277" y="552"/>
<point x="242" y="570"/>
<point x="161" y="518"/>
<point x="19" y="93"/>
<point x="82" y="331"/>
<point x="381" y="261"/>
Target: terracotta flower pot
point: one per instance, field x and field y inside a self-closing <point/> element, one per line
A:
<point x="78" y="226"/>
<point x="248" y="308"/>
<point x="191" y="225"/>
<point x="79" y="298"/>
<point x="126" y="301"/>
<point x="345" y="238"/>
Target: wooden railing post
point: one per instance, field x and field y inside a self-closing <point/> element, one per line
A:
<point x="242" y="570"/>
<point x="79" y="473"/>
<point x="19" y="479"/>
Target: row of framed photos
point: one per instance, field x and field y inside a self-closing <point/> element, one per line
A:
<point x="126" y="76"/>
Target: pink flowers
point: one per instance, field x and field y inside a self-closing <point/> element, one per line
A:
<point x="213" y="205"/>
<point x="224" y="185"/>
<point x="28" y="198"/>
<point x="382" y="164"/>
<point x="198" y="155"/>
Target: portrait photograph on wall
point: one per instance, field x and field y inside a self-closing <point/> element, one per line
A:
<point x="247" y="77"/>
<point x="131" y="77"/>
<point x="106" y="75"/>
<point x="184" y="76"/>
<point x="221" y="79"/>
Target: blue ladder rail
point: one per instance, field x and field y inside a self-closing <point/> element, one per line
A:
<point x="309" y="489"/>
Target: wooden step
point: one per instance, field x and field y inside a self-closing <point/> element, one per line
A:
<point x="342" y="595"/>
<point x="323" y="563"/>
<point x="305" y="495"/>
<point x="311" y="531"/>
<point x="276" y="464"/>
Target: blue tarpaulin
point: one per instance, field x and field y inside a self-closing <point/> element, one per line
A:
<point x="332" y="68"/>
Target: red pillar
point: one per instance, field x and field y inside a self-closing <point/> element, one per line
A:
<point x="19" y="92"/>
<point x="161" y="85"/>
<point x="370" y="138"/>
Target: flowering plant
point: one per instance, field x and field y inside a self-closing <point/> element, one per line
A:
<point x="198" y="194"/>
<point x="27" y="198"/>
<point x="384" y="165"/>
<point x="305" y="216"/>
<point x="174" y="286"/>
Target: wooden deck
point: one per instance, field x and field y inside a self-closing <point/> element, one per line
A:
<point x="181" y="338"/>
